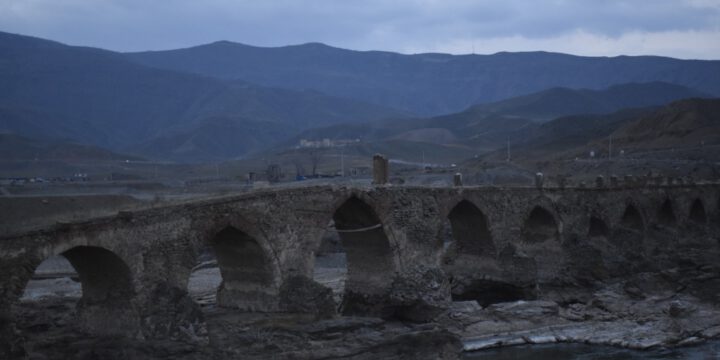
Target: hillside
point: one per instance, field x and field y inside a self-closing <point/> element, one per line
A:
<point x="426" y="84"/>
<point x="38" y="124"/>
<point x="487" y="127"/>
<point x="19" y="148"/>
<point x="687" y="129"/>
<point x="217" y="138"/>
<point x="691" y="123"/>
<point x="567" y="137"/>
<point x="98" y="97"/>
<point x="557" y="102"/>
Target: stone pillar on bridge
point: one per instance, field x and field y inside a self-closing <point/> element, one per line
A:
<point x="381" y="169"/>
<point x="614" y="181"/>
<point x="457" y="179"/>
<point x="539" y="180"/>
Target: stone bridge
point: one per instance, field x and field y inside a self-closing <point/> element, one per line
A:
<point x="507" y="243"/>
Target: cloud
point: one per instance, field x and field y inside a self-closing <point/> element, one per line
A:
<point x="685" y="44"/>
<point x="686" y="29"/>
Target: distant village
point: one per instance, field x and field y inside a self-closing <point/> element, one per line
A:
<point x="32" y="180"/>
<point x="327" y="143"/>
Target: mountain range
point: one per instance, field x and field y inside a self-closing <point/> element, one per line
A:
<point x="426" y="84"/>
<point x="99" y="97"/>
<point x="226" y="100"/>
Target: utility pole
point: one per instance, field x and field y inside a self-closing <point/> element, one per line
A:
<point x="342" y="162"/>
<point x="508" y="149"/>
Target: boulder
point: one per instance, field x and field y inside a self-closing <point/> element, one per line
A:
<point x="679" y="308"/>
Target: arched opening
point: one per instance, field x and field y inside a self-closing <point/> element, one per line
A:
<point x="632" y="220"/>
<point x="53" y="278"/>
<point x="697" y="213"/>
<point x="666" y="214"/>
<point x="540" y="226"/>
<point x="331" y="263"/>
<point x="598" y="228"/>
<point x="104" y="276"/>
<point x="86" y="289"/>
<point x="470" y="230"/>
<point x="248" y="281"/>
<point x="205" y="279"/>
<point x="370" y="266"/>
<point x="629" y="233"/>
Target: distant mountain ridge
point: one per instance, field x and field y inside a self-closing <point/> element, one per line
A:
<point x="427" y="84"/>
<point x="99" y="97"/>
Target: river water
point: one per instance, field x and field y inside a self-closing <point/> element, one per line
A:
<point x="707" y="351"/>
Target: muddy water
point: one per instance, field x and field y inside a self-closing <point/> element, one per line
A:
<point x="708" y="351"/>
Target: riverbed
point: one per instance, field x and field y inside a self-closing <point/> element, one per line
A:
<point x="707" y="351"/>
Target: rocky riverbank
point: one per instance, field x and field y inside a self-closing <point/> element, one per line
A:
<point x="677" y="307"/>
<point x="672" y="307"/>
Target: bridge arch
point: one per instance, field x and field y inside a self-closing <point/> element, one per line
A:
<point x="470" y="230"/>
<point x="104" y="276"/>
<point x="666" y="214"/>
<point x="106" y="305"/>
<point x="250" y="276"/>
<point x="540" y="226"/>
<point x="632" y="219"/>
<point x="697" y="214"/>
<point x="629" y="231"/>
<point x="598" y="228"/>
<point x="370" y="258"/>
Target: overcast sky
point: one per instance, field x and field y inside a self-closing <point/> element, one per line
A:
<point x="677" y="28"/>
